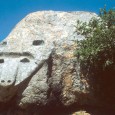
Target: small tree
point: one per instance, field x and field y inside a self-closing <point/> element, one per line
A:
<point x="97" y="51"/>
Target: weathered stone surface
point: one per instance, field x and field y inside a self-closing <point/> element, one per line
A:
<point x="37" y="63"/>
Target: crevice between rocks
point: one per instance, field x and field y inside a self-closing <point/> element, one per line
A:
<point x="54" y="92"/>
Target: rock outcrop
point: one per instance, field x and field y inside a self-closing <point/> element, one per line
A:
<point x="38" y="69"/>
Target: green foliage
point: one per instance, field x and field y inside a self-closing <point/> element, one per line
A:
<point x="98" y="49"/>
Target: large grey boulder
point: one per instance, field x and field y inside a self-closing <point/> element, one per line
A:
<point x="37" y="63"/>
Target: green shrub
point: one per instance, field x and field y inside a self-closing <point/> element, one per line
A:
<point x="98" y="49"/>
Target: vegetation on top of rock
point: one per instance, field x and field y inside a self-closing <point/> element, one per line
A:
<point x="98" y="49"/>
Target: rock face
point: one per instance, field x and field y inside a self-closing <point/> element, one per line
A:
<point x="38" y="68"/>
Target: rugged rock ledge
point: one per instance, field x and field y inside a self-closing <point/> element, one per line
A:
<point x="38" y="70"/>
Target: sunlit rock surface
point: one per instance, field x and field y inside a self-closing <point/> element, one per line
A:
<point x="38" y="69"/>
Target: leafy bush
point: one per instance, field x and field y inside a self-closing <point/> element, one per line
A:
<point x="98" y="49"/>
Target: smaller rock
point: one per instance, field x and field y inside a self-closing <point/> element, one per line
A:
<point x="81" y="113"/>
